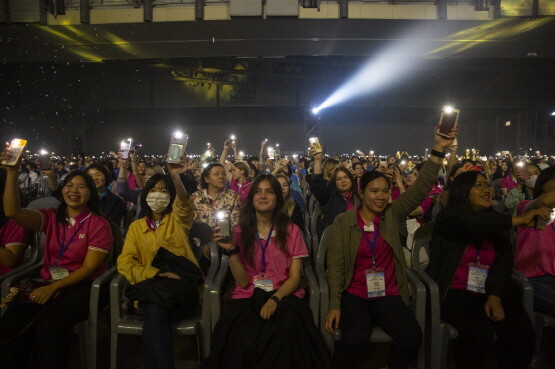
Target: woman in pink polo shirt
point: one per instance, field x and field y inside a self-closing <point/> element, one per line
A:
<point x="535" y="248"/>
<point x="78" y="239"/>
<point x="472" y="261"/>
<point x="266" y="324"/>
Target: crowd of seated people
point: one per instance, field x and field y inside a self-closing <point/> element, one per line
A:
<point x="491" y="217"/>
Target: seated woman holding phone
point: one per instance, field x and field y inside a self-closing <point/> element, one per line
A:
<point x="215" y="198"/>
<point x="535" y="247"/>
<point x="526" y="176"/>
<point x="168" y="218"/>
<point x="35" y="330"/>
<point x="266" y="324"/>
<point x="366" y="267"/>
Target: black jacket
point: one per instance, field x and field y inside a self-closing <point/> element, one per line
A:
<point x="455" y="228"/>
<point x="113" y="207"/>
<point x="332" y="203"/>
<point x="169" y="292"/>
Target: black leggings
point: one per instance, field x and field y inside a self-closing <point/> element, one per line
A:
<point x="358" y="317"/>
<point x="465" y="311"/>
<point x="45" y="344"/>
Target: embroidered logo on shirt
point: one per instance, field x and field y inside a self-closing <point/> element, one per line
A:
<point x="81" y="236"/>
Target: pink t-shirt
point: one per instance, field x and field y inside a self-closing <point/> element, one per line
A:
<point x="487" y="256"/>
<point x="508" y="182"/>
<point x="91" y="232"/>
<point x="384" y="262"/>
<point x="535" y="248"/>
<point x="241" y="189"/>
<point x="131" y="181"/>
<point x="277" y="263"/>
<point x="12" y="234"/>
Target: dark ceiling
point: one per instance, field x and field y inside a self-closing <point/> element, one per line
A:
<point x="490" y="69"/>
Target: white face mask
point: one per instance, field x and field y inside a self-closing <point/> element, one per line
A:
<point x="157" y="201"/>
<point x="530" y="183"/>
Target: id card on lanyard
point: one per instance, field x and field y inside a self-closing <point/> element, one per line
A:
<point x="477" y="275"/>
<point x="56" y="271"/>
<point x="261" y="280"/>
<point x="375" y="278"/>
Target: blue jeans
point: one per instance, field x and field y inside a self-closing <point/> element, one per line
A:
<point x="544" y="293"/>
<point x="157" y="334"/>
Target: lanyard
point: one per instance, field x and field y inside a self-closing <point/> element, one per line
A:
<point x="153" y="225"/>
<point x="241" y="187"/>
<point x="373" y="244"/>
<point x="64" y="247"/>
<point x="477" y="256"/>
<point x="264" y="247"/>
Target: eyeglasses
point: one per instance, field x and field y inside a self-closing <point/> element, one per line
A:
<point x="482" y="186"/>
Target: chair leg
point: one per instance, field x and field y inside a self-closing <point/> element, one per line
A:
<point x="91" y="347"/>
<point x="82" y="331"/>
<point x="199" y="347"/>
<point x="114" y="350"/>
<point x="539" y="331"/>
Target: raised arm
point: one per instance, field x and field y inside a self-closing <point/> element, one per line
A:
<point x="30" y="219"/>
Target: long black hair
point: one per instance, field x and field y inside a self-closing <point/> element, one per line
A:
<point x="545" y="176"/>
<point x="248" y="223"/>
<point x="93" y="204"/>
<point x="460" y="189"/>
<point x="145" y="209"/>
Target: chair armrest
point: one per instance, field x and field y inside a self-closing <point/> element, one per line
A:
<point x="208" y="298"/>
<point x="19" y="275"/>
<point x="434" y="299"/>
<point x="419" y="302"/>
<point x="116" y="290"/>
<point x="314" y="289"/>
<point x="526" y="292"/>
<point x="97" y="284"/>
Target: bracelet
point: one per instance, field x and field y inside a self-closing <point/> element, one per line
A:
<point x="439" y="154"/>
<point x="276" y="299"/>
<point x="231" y="252"/>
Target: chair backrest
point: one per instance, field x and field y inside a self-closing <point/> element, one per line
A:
<point x="321" y="252"/>
<point x="117" y="246"/>
<point x="422" y="238"/>
<point x="43" y="203"/>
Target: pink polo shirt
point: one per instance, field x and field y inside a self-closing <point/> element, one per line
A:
<point x="384" y="262"/>
<point x="535" y="248"/>
<point x="241" y="189"/>
<point x="91" y="232"/>
<point x="12" y="234"/>
<point x="277" y="263"/>
<point x="487" y="256"/>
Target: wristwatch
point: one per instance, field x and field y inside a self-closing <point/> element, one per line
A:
<point x="276" y="299"/>
<point x="233" y="251"/>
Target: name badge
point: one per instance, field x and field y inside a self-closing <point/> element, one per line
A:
<point x="375" y="283"/>
<point x="477" y="275"/>
<point x="58" y="273"/>
<point x="264" y="283"/>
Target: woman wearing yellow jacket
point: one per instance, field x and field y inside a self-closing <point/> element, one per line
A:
<point x="167" y="221"/>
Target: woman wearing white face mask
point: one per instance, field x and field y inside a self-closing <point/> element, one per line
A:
<point x="524" y="189"/>
<point x="167" y="221"/>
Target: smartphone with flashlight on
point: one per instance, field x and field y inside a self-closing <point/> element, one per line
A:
<point x="224" y="223"/>
<point x="542" y="223"/>
<point x="521" y="166"/>
<point x="315" y="144"/>
<point x="16" y="150"/>
<point x="448" y="120"/>
<point x="124" y="148"/>
<point x="44" y="160"/>
<point x="178" y="144"/>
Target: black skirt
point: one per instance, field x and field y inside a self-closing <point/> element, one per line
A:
<point x="289" y="339"/>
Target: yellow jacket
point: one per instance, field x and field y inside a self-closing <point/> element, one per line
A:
<point x="141" y="243"/>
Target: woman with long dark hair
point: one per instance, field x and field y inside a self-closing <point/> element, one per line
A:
<point x="266" y="324"/>
<point x="472" y="261"/>
<point x="78" y="239"/>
